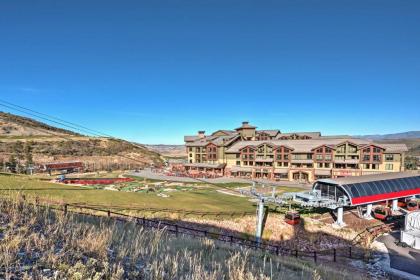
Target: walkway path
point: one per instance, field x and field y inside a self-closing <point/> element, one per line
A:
<point x="404" y="259"/>
<point x="147" y="173"/>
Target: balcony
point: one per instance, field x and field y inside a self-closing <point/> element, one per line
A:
<point x="307" y="161"/>
<point x="263" y="159"/>
<point x="347" y="161"/>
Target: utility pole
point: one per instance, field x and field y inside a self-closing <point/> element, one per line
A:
<point x="260" y="218"/>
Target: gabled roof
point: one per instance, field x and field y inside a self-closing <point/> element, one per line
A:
<point x="190" y="138"/>
<point x="270" y="132"/>
<point x="216" y="140"/>
<point x="324" y="145"/>
<point x="266" y="143"/>
<point x="349" y="141"/>
<point x="224" y="131"/>
<point x="372" y="144"/>
<point x="309" y="134"/>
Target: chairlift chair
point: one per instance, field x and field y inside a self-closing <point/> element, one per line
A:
<point x="292" y="218"/>
<point x="413" y="205"/>
<point x="382" y="213"/>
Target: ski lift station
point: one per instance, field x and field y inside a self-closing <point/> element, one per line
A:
<point x="362" y="192"/>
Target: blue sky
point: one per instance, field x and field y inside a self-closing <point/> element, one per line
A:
<point x="153" y="71"/>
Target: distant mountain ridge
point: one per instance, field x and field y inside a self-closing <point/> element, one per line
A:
<point x="392" y="136"/>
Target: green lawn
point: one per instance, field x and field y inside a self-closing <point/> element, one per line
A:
<point x="198" y="199"/>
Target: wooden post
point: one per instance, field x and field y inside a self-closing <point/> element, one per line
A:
<point x="277" y="250"/>
<point x="296" y="253"/>
<point x="176" y="230"/>
<point x="315" y="257"/>
<point x="109" y="213"/>
<point x="65" y="208"/>
<point x="335" y="255"/>
<point x="231" y="240"/>
<point x="350" y="253"/>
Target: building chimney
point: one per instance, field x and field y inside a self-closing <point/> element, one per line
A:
<point x="201" y="134"/>
<point x="245" y="123"/>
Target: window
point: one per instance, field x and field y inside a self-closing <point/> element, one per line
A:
<point x="238" y="155"/>
<point x="190" y="149"/>
<point x="238" y="163"/>
<point x="366" y="151"/>
<point x="376" y="150"/>
<point x="191" y="155"/>
<point x="366" y="166"/>
<point x="366" y="157"/>
<point x="319" y="165"/>
<point x="328" y="150"/>
<point x="389" y="157"/>
<point x="376" y="158"/>
<point x="327" y="157"/>
<point x="319" y="150"/>
<point x="375" y="166"/>
<point x="327" y="165"/>
<point x="352" y="149"/>
<point x="285" y="164"/>
<point x="389" y="166"/>
<point x="279" y="157"/>
<point x="245" y="163"/>
<point x="319" y="157"/>
<point x="286" y="157"/>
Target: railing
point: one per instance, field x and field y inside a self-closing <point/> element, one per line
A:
<point x="177" y="229"/>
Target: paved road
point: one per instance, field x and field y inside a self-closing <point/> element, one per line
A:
<point x="147" y="173"/>
<point x="404" y="259"/>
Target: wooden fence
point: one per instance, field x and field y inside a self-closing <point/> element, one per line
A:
<point x="178" y="229"/>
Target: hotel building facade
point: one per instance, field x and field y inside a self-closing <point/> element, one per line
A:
<point x="302" y="156"/>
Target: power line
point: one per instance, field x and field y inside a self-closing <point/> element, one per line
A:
<point x="62" y="122"/>
<point x="69" y="139"/>
<point x="83" y="128"/>
<point x="43" y="118"/>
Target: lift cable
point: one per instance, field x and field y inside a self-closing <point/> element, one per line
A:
<point x="74" y="126"/>
<point x="70" y="139"/>
<point x="97" y="132"/>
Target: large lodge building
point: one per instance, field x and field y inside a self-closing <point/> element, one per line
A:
<point x="302" y="156"/>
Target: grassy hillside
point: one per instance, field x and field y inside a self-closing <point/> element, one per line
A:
<point x="48" y="143"/>
<point x="14" y="125"/>
<point x="202" y="199"/>
<point x="39" y="243"/>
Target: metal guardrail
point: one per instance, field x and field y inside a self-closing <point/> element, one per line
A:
<point x="179" y="229"/>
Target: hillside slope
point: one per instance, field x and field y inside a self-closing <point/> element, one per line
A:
<point x="14" y="125"/>
<point x="48" y="143"/>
